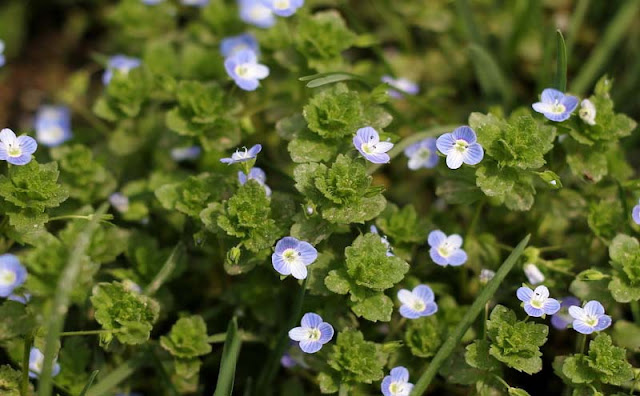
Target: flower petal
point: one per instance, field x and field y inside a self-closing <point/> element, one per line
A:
<point x="570" y="103"/>
<point x="581" y="327"/>
<point x="368" y="135"/>
<point x="311" y="320"/>
<point x="308" y="254"/>
<point x="457" y="257"/>
<point x="454" y="240"/>
<point x="326" y="332"/>
<point x="551" y="306"/>
<point x="280" y="265"/>
<point x="384" y="386"/>
<point x="594" y="308"/>
<point x="430" y="309"/>
<point x="409" y="313"/>
<point x="603" y="322"/>
<point x="399" y="374"/>
<point x="437" y="258"/>
<point x="287" y="243"/>
<point x="27" y="144"/>
<point x="455" y="159"/>
<point x="550" y="95"/>
<point x="531" y="311"/>
<point x="473" y="154"/>
<point x="406" y="297"/>
<point x="378" y="158"/>
<point x="445" y="143"/>
<point x="436" y="238"/>
<point x="310" y="346"/>
<point x="383" y="147"/>
<point x="465" y="133"/>
<point x="299" y="333"/>
<point x="578" y="313"/>
<point x="423" y="292"/>
<point x="299" y="270"/>
<point x="524" y="294"/>
<point x="542" y="292"/>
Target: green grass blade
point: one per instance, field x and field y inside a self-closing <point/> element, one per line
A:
<point x="318" y="82"/>
<point x="230" y="352"/>
<point x="491" y="78"/>
<point x="613" y="35"/>
<point x="58" y="312"/>
<point x="89" y="383"/>
<point x="476" y="308"/>
<point x="24" y="385"/>
<point x="560" y="82"/>
<point x="117" y="376"/>
<point x="465" y="13"/>
<point x="167" y="269"/>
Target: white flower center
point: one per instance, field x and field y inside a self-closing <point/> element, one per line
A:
<point x="557" y="107"/>
<point x="445" y="249"/>
<point x="418" y="305"/>
<point x="242" y="71"/>
<point x="54" y="133"/>
<point x="14" y="150"/>
<point x="37" y="364"/>
<point x="7" y="277"/>
<point x="423" y="153"/>
<point x="397" y="388"/>
<point x="282" y="4"/>
<point x="259" y="12"/>
<point x="313" y="334"/>
<point x="368" y="148"/>
<point x="461" y="145"/>
<point x="591" y="321"/>
<point x="537" y="301"/>
<point x="290" y="256"/>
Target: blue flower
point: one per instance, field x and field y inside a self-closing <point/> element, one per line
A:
<point x="533" y="274"/>
<point x="422" y="154"/>
<point x="417" y="303"/>
<point x="256" y="13"/>
<point x="36" y="361"/>
<point x="291" y="257"/>
<point x="256" y="174"/>
<point x="22" y="299"/>
<point x="53" y="125"/>
<point x="313" y="333"/>
<point x="231" y="45"/>
<point x="383" y="239"/>
<point x="367" y="142"/>
<point x="195" y="3"/>
<point x="185" y="153"/>
<point x="445" y="250"/>
<point x="2" y="59"/>
<point x="587" y="112"/>
<point x="283" y="8"/>
<point x="561" y="319"/>
<point x="590" y="318"/>
<point x="119" y="201"/>
<point x="555" y="105"/>
<point x="460" y="146"/>
<point x="242" y="156"/>
<point x="537" y="302"/>
<point x="122" y="63"/>
<point x="287" y="361"/>
<point x="635" y="213"/>
<point x="12" y="274"/>
<point x="402" y="84"/>
<point x="16" y="150"/>
<point x="397" y="383"/>
<point x="244" y="69"/>
<point x="152" y="2"/>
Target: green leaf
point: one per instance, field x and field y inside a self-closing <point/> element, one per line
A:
<point x="10" y="381"/>
<point x="356" y="360"/>
<point x="478" y="356"/>
<point x="510" y="186"/>
<point x="187" y="338"/>
<point x="402" y="225"/>
<point x="369" y="266"/>
<point x="129" y="314"/>
<point x="423" y="336"/>
<point x="310" y="148"/>
<point x="376" y="307"/>
<point x="625" y="253"/>
<point x="33" y="186"/>
<point x="626" y="334"/>
<point x="517" y="392"/>
<point x="591" y="274"/>
<point x="16" y="320"/>
<point x="334" y="113"/>
<point x="193" y="194"/>
<point x="604" y="363"/>
<point x="605" y="217"/>
<point x="560" y="82"/>
<point x="125" y="95"/>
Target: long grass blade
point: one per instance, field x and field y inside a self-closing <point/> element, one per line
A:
<point x="560" y="82"/>
<point x="491" y="78"/>
<point x="577" y="17"/>
<point x="89" y="383"/>
<point x="167" y="269"/>
<point x="476" y="308"/>
<point x="106" y="385"/>
<point x="230" y="352"/>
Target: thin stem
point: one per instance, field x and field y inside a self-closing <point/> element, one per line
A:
<point x="103" y="218"/>
<point x="244" y="336"/>
<point x="581" y="343"/>
<point x="24" y="386"/>
<point x="344" y="390"/>
<point x="486" y="318"/>
<point x="504" y="247"/>
<point x="87" y="332"/>
<point x="503" y="382"/>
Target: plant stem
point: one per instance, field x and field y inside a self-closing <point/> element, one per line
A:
<point x="581" y="343"/>
<point x="484" y="322"/>
<point x="244" y="336"/>
<point x="117" y="376"/>
<point x="87" y="332"/>
<point x="344" y="390"/>
<point x="24" y="386"/>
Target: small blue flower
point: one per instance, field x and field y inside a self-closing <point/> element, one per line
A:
<point x="367" y="142"/>
<point x="2" y="59"/>
<point x="242" y="156"/>
<point x="256" y="174"/>
<point x="256" y="13"/>
<point x="313" y="333"/>
<point x="402" y="84"/>
<point x="53" y="125"/>
<point x="422" y="154"/>
<point x="122" y="63"/>
<point x="587" y="112"/>
<point x="185" y="153"/>
<point x="119" y="201"/>
<point x="291" y="257"/>
<point x="555" y="105"/>
<point x="283" y="8"/>
<point x="383" y="239"/>
<point x="460" y="146"/>
<point x="635" y="213"/>
<point x="244" y="69"/>
<point x="152" y="2"/>
<point x="36" y="361"/>
<point x="561" y="319"/>
<point x="20" y="298"/>
<point x="417" y="303"/>
<point x="397" y="383"/>
<point x="445" y="250"/>
<point x="537" y="302"/>
<point x="231" y="45"/>
<point x="590" y="318"/>
<point x="533" y="274"/>
<point x="195" y="3"/>
<point x="16" y="150"/>
<point x="287" y="361"/>
<point x="12" y="274"/>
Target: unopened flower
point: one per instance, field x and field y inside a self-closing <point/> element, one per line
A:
<point x="587" y="112"/>
<point x="16" y="150"/>
<point x="402" y="84"/>
<point x="291" y="257"/>
<point x="417" y="303"/>
<point x="131" y="286"/>
<point x="231" y="45"/>
<point x="287" y="361"/>
<point x="256" y="174"/>
<point x="486" y="275"/>
<point x="242" y="156"/>
<point x="561" y="319"/>
<point x="185" y="153"/>
<point x="121" y="63"/>
<point x="590" y="318"/>
<point x="383" y="239"/>
<point x="195" y="3"/>
<point x="397" y="383"/>
<point x="555" y="105"/>
<point x="12" y="274"/>
<point x="244" y="69"/>
<point x="2" y="58"/>
<point x="256" y="13"/>
<point x="460" y="146"/>
<point x="283" y="8"/>
<point x="367" y="142"/>
<point x="36" y="361"/>
<point x="20" y="298"/>
<point x="537" y="302"/>
<point x="313" y="333"/>
<point x="635" y="213"/>
<point x="53" y="125"/>
<point x="422" y="154"/>
<point x="445" y="250"/>
<point x="119" y="201"/>
<point x="533" y="274"/>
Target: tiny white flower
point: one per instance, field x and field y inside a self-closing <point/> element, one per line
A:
<point x="533" y="274"/>
<point x="587" y="112"/>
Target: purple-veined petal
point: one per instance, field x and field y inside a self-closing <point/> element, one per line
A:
<point x="257" y="174"/>
<point x="551" y="306"/>
<point x="594" y="308"/>
<point x="21" y="160"/>
<point x="569" y="301"/>
<point x="242" y="178"/>
<point x="7" y="136"/>
<point x="550" y="95"/>
<point x="27" y="144"/>
<point x="437" y="258"/>
<point x="326" y="332"/>
<point x="310" y="346"/>
<point x="473" y="154"/>
<point x="378" y="158"/>
<point x="384" y="386"/>
<point x="311" y="320"/>
<point x="298" y="270"/>
<point x="541" y="291"/>
<point x="581" y="327"/>
<point x="423" y="292"/>
<point x="383" y="147"/>
<point x="247" y="85"/>
<point x="578" y="313"/>
<point x="287" y="243"/>
<point x="3" y="153"/>
<point x="458" y="257"/>
<point x="280" y="265"/>
<point x="524" y="294"/>
<point x="429" y="309"/>
<point x="445" y="143"/>
<point x="560" y="321"/>
<point x="454" y="240"/>
<point x="465" y="133"/>
<point x="635" y="214"/>
<point x="399" y="374"/>
<point x="532" y="311"/>
<point x="405" y="297"/>
<point x="436" y="238"/>
<point x="368" y="135"/>
<point x="604" y="321"/>
<point x="408" y="312"/>
<point x="308" y="254"/>
<point x="299" y="333"/>
<point x="455" y="159"/>
<point x="570" y="103"/>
